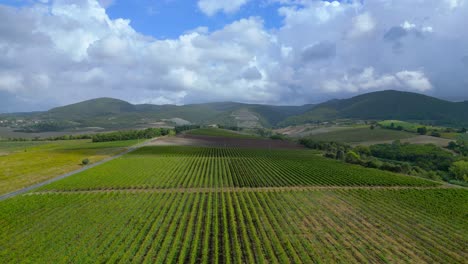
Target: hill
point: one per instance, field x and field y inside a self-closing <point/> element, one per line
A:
<point x="109" y="113"/>
<point x="388" y="105"/>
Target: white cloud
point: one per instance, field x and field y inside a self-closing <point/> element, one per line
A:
<point x="362" y="24"/>
<point x="211" y="7"/>
<point x="369" y="80"/>
<point x="415" y="80"/>
<point x="10" y="82"/>
<point x="408" y="26"/>
<point x="452" y="4"/>
<point x="69" y="50"/>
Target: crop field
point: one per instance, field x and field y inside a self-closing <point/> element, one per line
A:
<point x="198" y="167"/>
<point x="217" y="132"/>
<point x="26" y="163"/>
<point x="174" y="204"/>
<point x="361" y="135"/>
<point x="377" y="226"/>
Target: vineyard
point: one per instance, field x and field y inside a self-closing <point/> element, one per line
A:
<point x="26" y="163"/>
<point x="170" y="204"/>
<point x="378" y="226"/>
<point x="195" y="167"/>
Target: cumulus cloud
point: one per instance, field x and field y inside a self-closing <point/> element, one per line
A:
<point x="362" y="24"/>
<point x="367" y="79"/>
<point x="69" y="50"/>
<point x="211" y="7"/>
<point x="319" y="51"/>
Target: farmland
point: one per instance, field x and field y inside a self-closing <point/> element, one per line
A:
<point x="191" y="204"/>
<point x="217" y="132"/>
<point x="234" y="227"/>
<point x="362" y="135"/>
<point x="194" y="167"/>
<point x="26" y="163"/>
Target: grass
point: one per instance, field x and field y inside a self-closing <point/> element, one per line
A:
<point x="323" y="226"/>
<point x="196" y="167"/>
<point x="28" y="163"/>
<point x="364" y="134"/>
<point x="217" y="132"/>
<point x="408" y="126"/>
<point x="7" y="147"/>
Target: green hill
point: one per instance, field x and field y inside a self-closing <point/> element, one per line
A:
<point x="111" y="113"/>
<point x="388" y="105"/>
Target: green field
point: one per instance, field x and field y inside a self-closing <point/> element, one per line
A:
<point x="27" y="163"/>
<point x="362" y="134"/>
<point x="197" y="167"/>
<point x="217" y="132"/>
<point x="7" y="147"/>
<point x="326" y="226"/>
<point x="173" y="204"/>
<point x="408" y="126"/>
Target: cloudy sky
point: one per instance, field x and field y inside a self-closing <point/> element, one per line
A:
<point x="55" y="52"/>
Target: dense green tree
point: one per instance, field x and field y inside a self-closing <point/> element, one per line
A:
<point x="459" y="170"/>
<point x="422" y="130"/>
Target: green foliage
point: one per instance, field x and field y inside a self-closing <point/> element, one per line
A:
<point x="361" y="134"/>
<point x="24" y="163"/>
<point x="85" y="161"/>
<point x="460" y="147"/>
<point x="131" y="134"/>
<point x="197" y="167"/>
<point x="422" y="130"/>
<point x="236" y="227"/>
<point x="45" y="126"/>
<point x="388" y="105"/>
<point x="459" y="170"/>
<point x="428" y="157"/>
<point x="352" y="157"/>
<point x="330" y="146"/>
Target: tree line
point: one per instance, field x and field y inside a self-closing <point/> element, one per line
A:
<point x="428" y="161"/>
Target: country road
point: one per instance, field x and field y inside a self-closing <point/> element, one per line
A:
<point x="32" y="187"/>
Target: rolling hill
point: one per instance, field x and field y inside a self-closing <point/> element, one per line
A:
<point x="109" y="113"/>
<point x="112" y="113"/>
<point x="387" y="105"/>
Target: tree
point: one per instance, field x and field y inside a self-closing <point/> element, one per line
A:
<point x="364" y="151"/>
<point x="372" y="127"/>
<point x="459" y="170"/>
<point x="422" y="130"/>
<point x="352" y="157"/>
<point x="340" y="155"/>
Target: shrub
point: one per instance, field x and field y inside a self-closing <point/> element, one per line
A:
<point x="422" y="130"/>
<point x="352" y="157"/>
<point x="85" y="161"/>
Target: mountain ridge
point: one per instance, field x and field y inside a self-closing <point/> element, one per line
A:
<point x="112" y="113"/>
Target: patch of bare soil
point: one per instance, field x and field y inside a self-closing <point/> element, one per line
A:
<point x="308" y="130"/>
<point x="210" y="141"/>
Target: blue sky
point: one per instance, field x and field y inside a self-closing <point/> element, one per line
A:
<point x="57" y="52"/>
<point x="171" y="18"/>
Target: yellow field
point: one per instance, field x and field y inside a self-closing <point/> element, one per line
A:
<point x="26" y="163"/>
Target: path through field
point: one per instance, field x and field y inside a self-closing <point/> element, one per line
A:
<point x="212" y="204"/>
<point x="63" y="176"/>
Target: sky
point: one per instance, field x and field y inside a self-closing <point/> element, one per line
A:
<point x="283" y="52"/>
